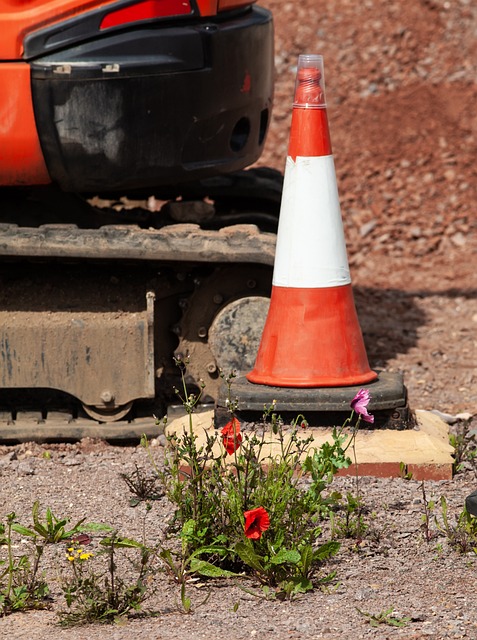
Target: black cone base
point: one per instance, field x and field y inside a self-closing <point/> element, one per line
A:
<point x="325" y="406"/>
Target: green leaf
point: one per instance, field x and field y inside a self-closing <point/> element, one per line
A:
<point x="122" y="543"/>
<point x="35" y="510"/>
<point x="186" y="601"/>
<point x="328" y="578"/>
<point x="49" y="518"/>
<point x="246" y="553"/>
<point x="285" y="556"/>
<point x="75" y="527"/>
<point x="166" y="555"/>
<point x="266" y="592"/>
<point x="297" y="585"/>
<point x="39" y="528"/>
<point x="188" y="530"/>
<point x="208" y="569"/>
<point x="95" y="526"/>
<point x="144" y="441"/>
<point x="23" y="531"/>
<point x="326" y="550"/>
<point x="306" y="559"/>
<point x="303" y="585"/>
<point x="210" y="550"/>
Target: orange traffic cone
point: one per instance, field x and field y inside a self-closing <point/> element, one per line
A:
<point x="312" y="336"/>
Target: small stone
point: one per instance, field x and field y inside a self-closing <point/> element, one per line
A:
<point x="8" y="457"/>
<point x="160" y="441"/>
<point x="464" y="416"/>
<point x="471" y="503"/>
<point x="26" y="468"/>
<point x="367" y="228"/>
<point x="73" y="461"/>
<point x="458" y="239"/>
<point x="364" y="594"/>
<point x="446" y="417"/>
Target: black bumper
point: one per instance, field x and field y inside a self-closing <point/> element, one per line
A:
<point x="156" y="106"/>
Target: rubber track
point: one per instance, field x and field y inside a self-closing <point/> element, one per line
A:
<point x="182" y="242"/>
<point x="28" y="428"/>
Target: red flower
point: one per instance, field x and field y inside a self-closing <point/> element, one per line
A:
<point x="231" y="436"/>
<point x="256" y="522"/>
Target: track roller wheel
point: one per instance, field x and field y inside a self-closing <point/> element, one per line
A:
<point x="222" y="324"/>
<point x="106" y="414"/>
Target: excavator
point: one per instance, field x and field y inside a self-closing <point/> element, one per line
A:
<point x="133" y="231"/>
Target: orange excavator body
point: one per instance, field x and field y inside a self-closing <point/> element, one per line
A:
<point x="130" y="231"/>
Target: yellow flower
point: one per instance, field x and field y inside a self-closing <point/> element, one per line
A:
<point x="77" y="553"/>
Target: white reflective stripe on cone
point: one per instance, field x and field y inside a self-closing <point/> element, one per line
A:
<point x="311" y="248"/>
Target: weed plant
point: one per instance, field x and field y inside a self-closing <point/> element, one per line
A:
<point x="143" y="486"/>
<point x="349" y="519"/>
<point x="22" y="587"/>
<point x="106" y="585"/>
<point x="239" y="500"/>
<point x="249" y="501"/>
<point x="22" y="583"/>
<point x="427" y="518"/>
<point x="460" y="533"/>
<point x="463" y="439"/>
<point x="386" y="617"/>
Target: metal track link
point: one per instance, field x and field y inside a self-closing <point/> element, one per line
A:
<point x="182" y="242"/>
<point x="31" y="427"/>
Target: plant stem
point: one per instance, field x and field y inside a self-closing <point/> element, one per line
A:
<point x="36" y="564"/>
<point x="112" y="572"/>
<point x="10" y="554"/>
<point x="358" y="497"/>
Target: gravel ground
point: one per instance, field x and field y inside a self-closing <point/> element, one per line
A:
<point x="391" y="567"/>
<point x="400" y="87"/>
<point x="401" y="91"/>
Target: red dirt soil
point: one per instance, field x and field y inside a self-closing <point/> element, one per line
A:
<point x="401" y="94"/>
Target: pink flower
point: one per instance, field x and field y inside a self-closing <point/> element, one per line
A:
<point x="359" y="404"/>
<point x="256" y="522"/>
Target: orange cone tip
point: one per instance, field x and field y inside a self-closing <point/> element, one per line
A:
<point x="312" y="336"/>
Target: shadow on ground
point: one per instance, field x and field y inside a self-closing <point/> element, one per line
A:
<point x="391" y="320"/>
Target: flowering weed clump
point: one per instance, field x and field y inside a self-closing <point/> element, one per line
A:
<point x="22" y="583"/>
<point x="109" y="590"/>
<point x="249" y="500"/>
<point x="241" y="503"/>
